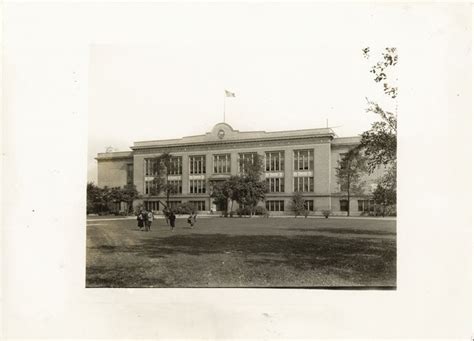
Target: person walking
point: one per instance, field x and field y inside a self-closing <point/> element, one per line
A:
<point x="149" y="220"/>
<point x="140" y="220"/>
<point x="172" y="218"/>
<point x="191" y="220"/>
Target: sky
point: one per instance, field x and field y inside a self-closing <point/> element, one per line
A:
<point x="286" y="64"/>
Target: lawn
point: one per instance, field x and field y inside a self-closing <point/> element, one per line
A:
<point x="242" y="252"/>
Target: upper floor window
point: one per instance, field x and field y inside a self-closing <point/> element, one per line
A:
<point x="222" y="163"/>
<point x="245" y="158"/>
<point x="275" y="185"/>
<point x="197" y="164"/>
<point x="197" y="186"/>
<point x="274" y="161"/>
<point x="175" y="166"/>
<point x="176" y="185"/>
<point x="303" y="159"/>
<point x="130" y="174"/>
<point x="303" y="184"/>
<point x="151" y="167"/>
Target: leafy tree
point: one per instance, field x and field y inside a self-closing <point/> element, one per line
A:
<point x="349" y="171"/>
<point x="380" y="142"/>
<point x="297" y="204"/>
<point x="248" y="188"/>
<point x="161" y="169"/>
<point x="385" y="194"/>
<point x="129" y="194"/>
<point x="223" y="191"/>
<point x="95" y="199"/>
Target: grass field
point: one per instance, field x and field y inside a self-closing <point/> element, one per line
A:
<point x="242" y="252"/>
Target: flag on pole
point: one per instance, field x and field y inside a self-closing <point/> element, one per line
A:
<point x="229" y="94"/>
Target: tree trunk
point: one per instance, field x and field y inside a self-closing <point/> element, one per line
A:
<point x="348" y="195"/>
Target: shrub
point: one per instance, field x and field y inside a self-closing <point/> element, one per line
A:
<point x="232" y="213"/>
<point x="260" y="210"/>
<point x="184" y="208"/>
<point x="243" y="211"/>
<point x="226" y="214"/>
<point x="326" y="213"/>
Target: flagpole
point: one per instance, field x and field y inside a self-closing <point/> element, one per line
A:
<point x="224" y="105"/>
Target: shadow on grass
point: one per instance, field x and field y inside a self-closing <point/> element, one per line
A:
<point x="360" y="259"/>
<point x="345" y="231"/>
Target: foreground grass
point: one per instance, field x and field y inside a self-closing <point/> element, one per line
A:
<point x="275" y="252"/>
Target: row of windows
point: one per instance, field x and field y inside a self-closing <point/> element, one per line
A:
<point x="274" y="185"/>
<point x="274" y="162"/>
<point x="279" y="205"/>
<point x="200" y="205"/>
<point x="363" y="205"/>
<point x="275" y="205"/>
<point x="175" y="166"/>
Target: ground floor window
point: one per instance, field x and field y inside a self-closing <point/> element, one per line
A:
<point x="173" y="205"/>
<point x="275" y="205"/>
<point x="197" y="186"/>
<point x="366" y="205"/>
<point x="344" y="205"/>
<point x="309" y="205"/>
<point x="152" y="205"/>
<point x="303" y="184"/>
<point x="199" y="205"/>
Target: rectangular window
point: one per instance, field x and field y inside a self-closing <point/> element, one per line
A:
<point x="199" y="205"/>
<point x="274" y="161"/>
<point x="150" y="187"/>
<point x="309" y="205"/>
<point x="152" y="205"/>
<point x="197" y="186"/>
<point x="303" y="184"/>
<point x="275" y="185"/>
<point x="275" y="205"/>
<point x="246" y="158"/>
<point x="344" y="205"/>
<point x="366" y="205"/>
<point x="173" y="204"/>
<point x="130" y="174"/>
<point x="176" y="165"/>
<point x="197" y="164"/>
<point x="222" y="163"/>
<point x="303" y="159"/>
<point x="151" y="167"/>
<point x="177" y="186"/>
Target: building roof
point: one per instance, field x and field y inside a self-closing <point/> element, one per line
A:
<point x="114" y="155"/>
<point x="225" y="133"/>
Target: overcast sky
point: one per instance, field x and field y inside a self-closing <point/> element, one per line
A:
<point x="287" y="66"/>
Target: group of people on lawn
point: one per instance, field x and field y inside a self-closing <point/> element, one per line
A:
<point x="145" y="218"/>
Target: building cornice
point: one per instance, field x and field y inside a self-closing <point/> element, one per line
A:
<point x="235" y="144"/>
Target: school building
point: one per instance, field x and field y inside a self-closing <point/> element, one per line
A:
<point x="294" y="161"/>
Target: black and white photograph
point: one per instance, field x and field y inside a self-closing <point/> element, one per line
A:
<point x="236" y="170"/>
<point x="242" y="168"/>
